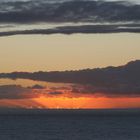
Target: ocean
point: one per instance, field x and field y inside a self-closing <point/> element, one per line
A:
<point x="70" y="125"/>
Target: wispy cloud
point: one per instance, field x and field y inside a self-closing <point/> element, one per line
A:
<point x="77" y="29"/>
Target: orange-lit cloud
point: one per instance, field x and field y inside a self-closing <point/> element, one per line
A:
<point x="62" y="97"/>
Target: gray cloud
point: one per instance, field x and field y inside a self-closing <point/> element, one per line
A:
<point x="55" y="92"/>
<point x="37" y="87"/>
<point x="122" y="90"/>
<point x="19" y="92"/>
<point x="12" y="91"/>
<point x="15" y="92"/>
<point x="16" y="13"/>
<point x="68" y="11"/>
<point x="134" y="28"/>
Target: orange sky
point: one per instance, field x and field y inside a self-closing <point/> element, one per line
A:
<point x="71" y="103"/>
<point x="67" y="52"/>
<point x="62" y="52"/>
<point x="88" y="102"/>
<point x="41" y="98"/>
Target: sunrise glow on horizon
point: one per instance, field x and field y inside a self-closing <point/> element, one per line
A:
<point x="72" y="103"/>
<point x="69" y="69"/>
<point x="71" y="52"/>
<point x="65" y="54"/>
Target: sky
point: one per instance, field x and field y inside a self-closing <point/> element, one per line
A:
<point x="70" y="35"/>
<point x="67" y="52"/>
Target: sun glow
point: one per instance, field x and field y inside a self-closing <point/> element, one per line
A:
<point x="61" y="96"/>
<point x="63" y="102"/>
<point x="86" y="102"/>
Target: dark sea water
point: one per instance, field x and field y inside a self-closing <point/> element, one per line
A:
<point x="70" y="125"/>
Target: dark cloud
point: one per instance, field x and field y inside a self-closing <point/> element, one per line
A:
<point x="19" y="92"/>
<point x="73" y="11"/>
<point x="55" y="92"/>
<point x="112" y="81"/>
<point x="37" y="87"/>
<point x="15" y="92"/>
<point x="108" y="91"/>
<point x="134" y="28"/>
<point x="61" y="88"/>
<point x="68" y="11"/>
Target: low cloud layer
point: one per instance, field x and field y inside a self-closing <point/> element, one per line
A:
<point x="108" y="91"/>
<point x="14" y="92"/>
<point x="19" y="92"/>
<point x="110" y="81"/>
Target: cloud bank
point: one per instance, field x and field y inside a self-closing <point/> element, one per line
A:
<point x="68" y="11"/>
<point x="14" y="92"/>
<point x="110" y="81"/>
<point x="16" y="13"/>
<point x="20" y="92"/>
